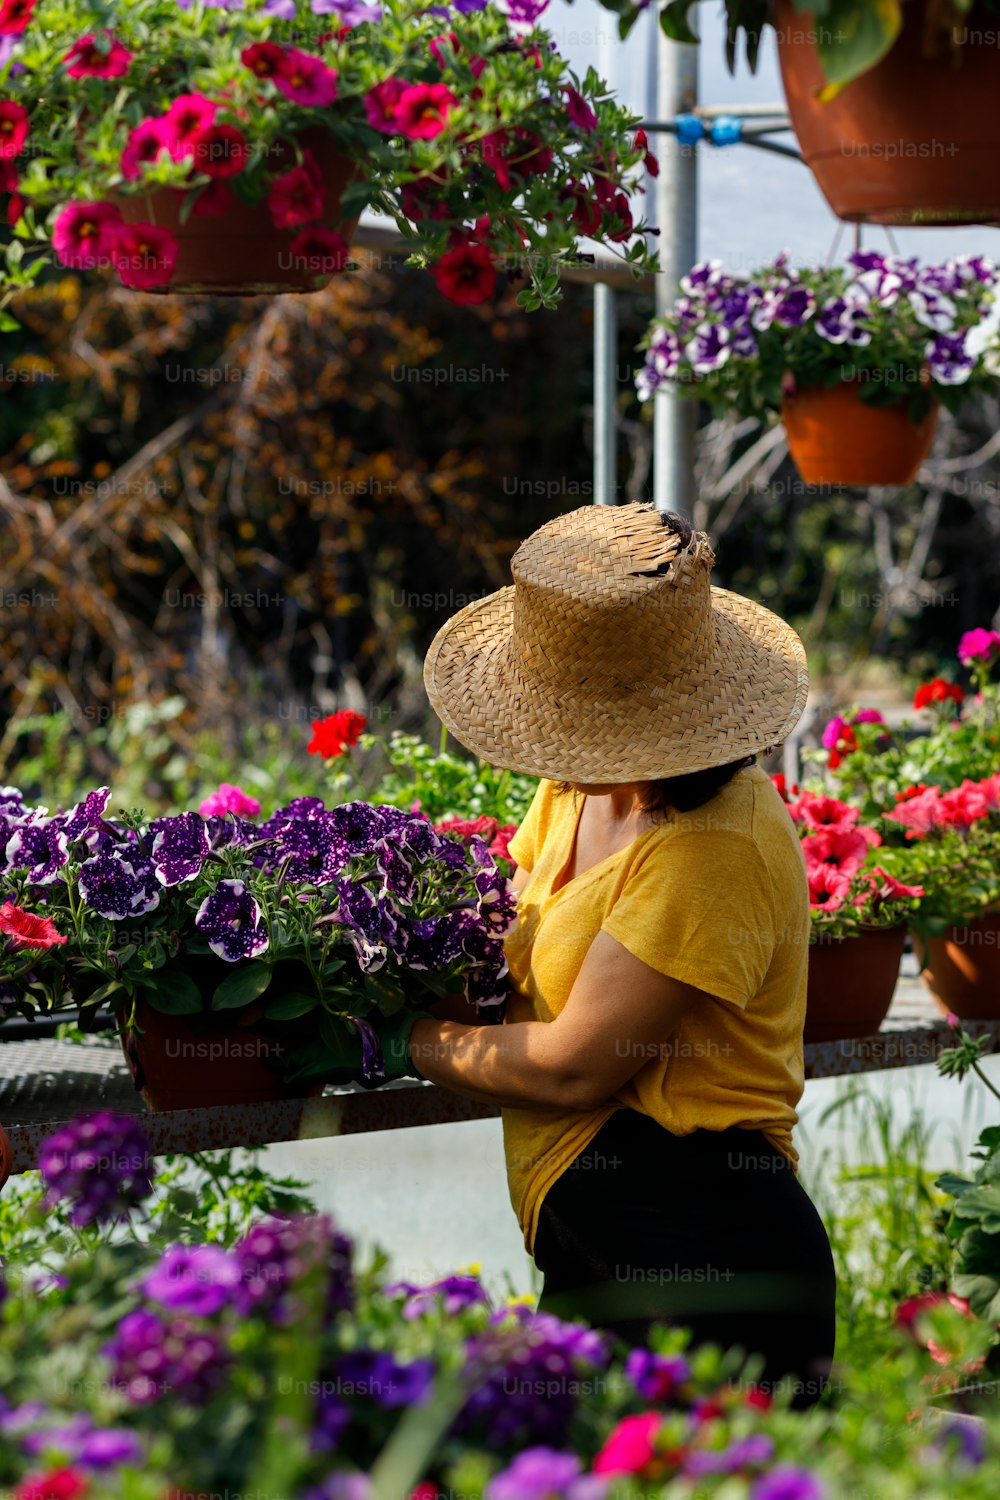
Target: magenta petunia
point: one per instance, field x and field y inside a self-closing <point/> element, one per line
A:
<point x="978" y="645"/>
<point x="219" y="151"/>
<point x="579" y="111"/>
<point x="186" y="118"/>
<point x="381" y="104"/>
<point x="422" y="110"/>
<point x="305" y="79"/>
<point x="83" y="234"/>
<point x="296" y="197"/>
<point x="321" y="251"/>
<point x="144" y="146"/>
<point x="144" y="255"/>
<point x="13" y="127"/>
<point x="88" y="58"/>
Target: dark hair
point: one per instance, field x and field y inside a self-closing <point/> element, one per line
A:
<point x="684" y="793"/>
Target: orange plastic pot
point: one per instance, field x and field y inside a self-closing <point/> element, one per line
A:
<point x="914" y="140"/>
<point x="180" y="1065"/>
<point x="836" y="438"/>
<point x="851" y="983"/>
<point x="240" y="253"/>
<point x="961" y="968"/>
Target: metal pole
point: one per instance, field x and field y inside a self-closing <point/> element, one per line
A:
<point x="674" y="420"/>
<point x="605" y="391"/>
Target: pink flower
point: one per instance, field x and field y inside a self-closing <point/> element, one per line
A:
<point x="83" y="234"/>
<point x="818" y="811"/>
<point x="828" y="887"/>
<point x="466" y="273"/>
<point x="322" y="251"/>
<point x="86" y="58"/>
<point x="229" y="799"/>
<point x="422" y="110"/>
<point x="893" y="889"/>
<point x="381" y="102"/>
<point x="978" y="645"/>
<point x="144" y="146"/>
<point x="296" y="197"/>
<point x="14" y="16"/>
<point x="219" y="151"/>
<point x="144" y="255"/>
<point x="631" y="1446"/>
<point x="963" y="805"/>
<point x="305" y="79"/>
<point x="579" y="111"/>
<point x="919" y="815"/>
<point x="13" y="127"/>
<point x="186" y="118"/>
<point x="845" y="850"/>
<point x="498" y="848"/>
<point x="25" y="930"/>
<point x="266" y="59"/>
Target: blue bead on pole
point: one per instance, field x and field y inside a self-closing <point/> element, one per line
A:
<point x="690" y="130"/>
<point x="726" y="130"/>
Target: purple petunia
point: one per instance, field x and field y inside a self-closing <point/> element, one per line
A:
<point x="351" y="12"/>
<point x="378" y="1376"/>
<point x="180" y="846"/>
<point x="948" y="360"/>
<point x="275" y="1254"/>
<point x="86" y="814"/>
<point x="232" y="920"/>
<point x="450" y="1295"/>
<point x="152" y="1356"/>
<point x="709" y="349"/>
<point x="370" y="923"/>
<point x="197" y="1279"/>
<point x="40" y="849"/>
<point x="844" y="321"/>
<point x="754" y="1450"/>
<point x="120" y="882"/>
<point x="536" y="1474"/>
<point x="787" y="1483"/>
<point x="656" y="1376"/>
<point x="100" y="1163"/>
<point x="314" y="848"/>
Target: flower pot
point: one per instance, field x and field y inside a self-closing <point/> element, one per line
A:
<point x="961" y="968"/>
<point x="851" y="983"/>
<point x="180" y="1062"/>
<point x="914" y="140"/>
<point x="6" y="1156"/>
<point x="836" y="438"/>
<point x="240" y="253"/>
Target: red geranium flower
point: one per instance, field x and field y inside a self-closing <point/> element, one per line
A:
<point x="87" y="60"/>
<point x="57" y="1484"/>
<point x="144" y="255"/>
<point x="323" y="251"/>
<point x="14" y="16"/>
<point x="938" y="690"/>
<point x="482" y="827"/>
<point x="466" y="273"/>
<point x="332" y="736"/>
<point x="499" y="847"/>
<point x="421" y="111"/>
<point x="920" y="813"/>
<point x="24" y="930"/>
<point x="296" y="197"/>
<point x="13" y="127"/>
<point x="84" y="233"/>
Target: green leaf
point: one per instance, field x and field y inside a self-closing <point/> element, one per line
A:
<point x="104" y="992"/>
<point x="175" y="994"/>
<point x="675" y="21"/>
<point x="855" y="35"/>
<point x="288" y="1007"/>
<point x="337" y="1036"/>
<point x="982" y="1203"/>
<point x="247" y="982"/>
<point x="951" y="1183"/>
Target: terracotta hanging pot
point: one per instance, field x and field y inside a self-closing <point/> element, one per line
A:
<point x="179" y="1062"/>
<point x="836" y="438"/>
<point x="851" y="983"/>
<point x="915" y="139"/>
<point x="240" y="253"/>
<point x="961" y="968"/>
<point x="6" y="1156"/>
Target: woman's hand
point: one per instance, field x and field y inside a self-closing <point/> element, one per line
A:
<point x="620" y="1015"/>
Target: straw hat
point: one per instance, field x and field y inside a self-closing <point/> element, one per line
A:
<point x="613" y="659"/>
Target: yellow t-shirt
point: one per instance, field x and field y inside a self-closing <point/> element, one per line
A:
<point x="716" y="898"/>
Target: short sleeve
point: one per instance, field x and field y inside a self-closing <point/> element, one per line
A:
<point x="524" y="844"/>
<point x="699" y="907"/>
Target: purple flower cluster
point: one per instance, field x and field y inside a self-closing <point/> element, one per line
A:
<point x="372" y="1375"/>
<point x="100" y="1163"/>
<point x="720" y="318"/>
<point x="546" y="1474"/>
<point x="274" y="1255"/>
<point x="174" y="1357"/>
<point x="450" y="1295"/>
<point x="526" y="1371"/>
<point x="80" y="1442"/>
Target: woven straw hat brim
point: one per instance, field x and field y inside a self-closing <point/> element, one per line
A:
<point x="744" y="697"/>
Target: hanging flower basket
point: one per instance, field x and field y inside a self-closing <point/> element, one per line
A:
<point x="913" y="139"/>
<point x="836" y="438"/>
<point x="961" y="968"/>
<point x="236" y="249"/>
<point x="236" y="153"/>
<point x="851" y="982"/>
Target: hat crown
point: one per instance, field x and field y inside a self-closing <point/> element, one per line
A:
<point x="611" y="596"/>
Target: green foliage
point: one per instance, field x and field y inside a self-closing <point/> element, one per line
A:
<point x="404" y="771"/>
<point x="975" y="1228"/>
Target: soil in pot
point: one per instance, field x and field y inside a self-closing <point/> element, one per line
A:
<point x="961" y="968"/>
<point x="914" y="140"/>
<point x="240" y="253"/>
<point x="851" y="983"/>
<point x="836" y="438"/>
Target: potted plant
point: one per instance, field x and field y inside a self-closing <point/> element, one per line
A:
<point x="854" y="359"/>
<point x="858" y="919"/>
<point x="244" y="957"/>
<point x="191" y="152"/>
<point x="891" y="102"/>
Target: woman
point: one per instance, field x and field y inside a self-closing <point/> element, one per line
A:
<point x="650" y="1063"/>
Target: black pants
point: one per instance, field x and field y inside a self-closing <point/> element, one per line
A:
<point x="711" y="1231"/>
